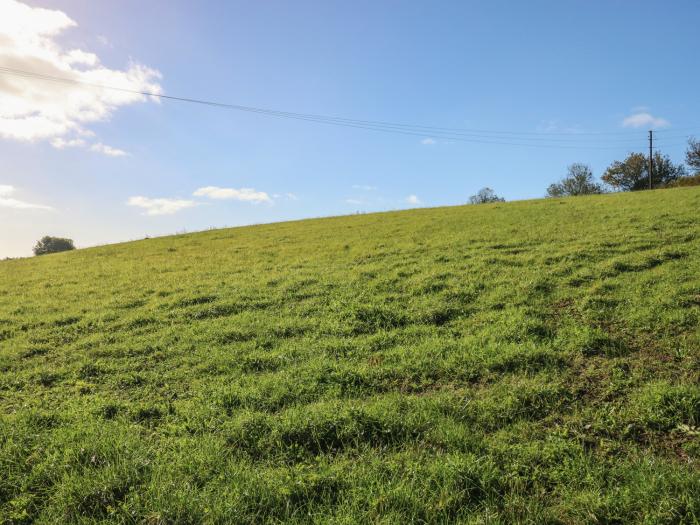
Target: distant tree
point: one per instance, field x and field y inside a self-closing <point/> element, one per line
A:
<point x="627" y="175"/>
<point x="578" y="181"/>
<point x="665" y="171"/>
<point x="49" y="244"/>
<point x="485" y="195"/>
<point x="632" y="174"/>
<point x="692" y="155"/>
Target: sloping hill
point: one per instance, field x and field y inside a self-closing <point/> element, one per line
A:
<point x="532" y="360"/>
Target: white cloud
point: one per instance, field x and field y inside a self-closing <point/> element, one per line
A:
<point x="160" y="206"/>
<point x="108" y="150"/>
<point x="644" y="119"/>
<point x="61" y="143"/>
<point x="353" y="201"/>
<point x="34" y="110"/>
<point x="363" y="187"/>
<point x="413" y="199"/>
<point x="428" y="141"/>
<point x="98" y="147"/>
<point x="242" y="194"/>
<point x="7" y="201"/>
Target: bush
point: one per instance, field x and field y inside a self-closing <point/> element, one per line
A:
<point x="484" y="196"/>
<point x="49" y="244"/>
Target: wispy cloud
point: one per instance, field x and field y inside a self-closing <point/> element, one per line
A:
<point x="644" y="119"/>
<point x="168" y="206"/>
<point x="32" y="110"/>
<point x="160" y="206"/>
<point x="363" y="187"/>
<point x="354" y="201"/>
<point x="428" y="141"/>
<point x="7" y="201"/>
<point x="99" y="147"/>
<point x="413" y="199"/>
<point x="108" y="150"/>
<point x="242" y="194"/>
<point x="61" y="143"/>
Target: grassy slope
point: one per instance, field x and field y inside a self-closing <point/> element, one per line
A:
<point x="500" y="362"/>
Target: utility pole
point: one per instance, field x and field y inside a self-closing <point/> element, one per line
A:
<point x="651" y="165"/>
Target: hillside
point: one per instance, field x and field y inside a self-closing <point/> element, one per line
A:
<point x="532" y="360"/>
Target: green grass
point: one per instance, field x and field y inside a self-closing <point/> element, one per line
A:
<point x="524" y="362"/>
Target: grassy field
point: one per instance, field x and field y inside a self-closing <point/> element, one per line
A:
<point x="523" y="362"/>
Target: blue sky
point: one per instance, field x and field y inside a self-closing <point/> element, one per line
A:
<point x="569" y="73"/>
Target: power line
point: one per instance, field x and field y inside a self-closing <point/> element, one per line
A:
<point x="674" y="135"/>
<point x="695" y="128"/>
<point x="573" y="140"/>
<point x="304" y="115"/>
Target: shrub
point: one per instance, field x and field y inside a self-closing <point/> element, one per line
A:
<point x="484" y="196"/>
<point x="48" y="244"/>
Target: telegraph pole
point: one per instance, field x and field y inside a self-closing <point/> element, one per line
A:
<point x="651" y="147"/>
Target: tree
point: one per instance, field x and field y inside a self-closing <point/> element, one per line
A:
<point x="692" y="155"/>
<point x="50" y="244"/>
<point x="578" y="181"/>
<point x="485" y="195"/>
<point x="632" y="174"/>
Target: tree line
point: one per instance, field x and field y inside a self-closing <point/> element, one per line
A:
<point x="630" y="174"/>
